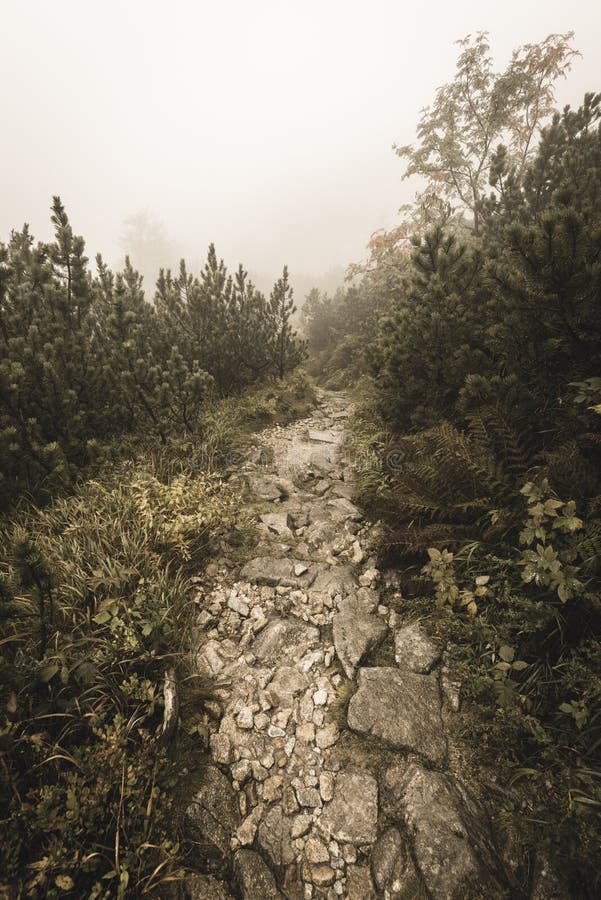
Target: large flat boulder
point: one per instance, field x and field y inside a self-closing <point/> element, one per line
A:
<point x="452" y="837"/>
<point x="401" y="708"/>
<point x="352" y="814"/>
<point x="357" y="630"/>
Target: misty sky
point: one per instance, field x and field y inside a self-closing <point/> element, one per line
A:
<point x="264" y="126"/>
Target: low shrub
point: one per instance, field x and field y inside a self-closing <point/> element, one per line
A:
<point x="95" y="611"/>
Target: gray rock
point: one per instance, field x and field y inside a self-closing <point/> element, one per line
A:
<point x="322" y="876"/>
<point x="299" y="518"/>
<point x="392" y="782"/>
<point x="327" y="783"/>
<point x="356" y="631"/>
<point x="344" y="489"/>
<point x="274" y="731"/>
<point x="239" y="605"/>
<point x="392" y="867"/>
<point x="401" y="708"/>
<point x="284" y="639"/>
<point x="273" y="837"/>
<point x="451" y="690"/>
<point x="205" y="887"/>
<point x="308" y="797"/>
<point x="352" y="815"/>
<point x="209" y="661"/>
<point x="335" y="580"/>
<point x="254" y="879"/>
<point x="278" y="523"/>
<point x="213" y="816"/>
<point x="322" y="486"/>
<point x="451" y="835"/>
<point x="344" y="509"/>
<point x="301" y="825"/>
<point x="286" y="683"/>
<point x="265" y="488"/>
<point x="246" y="832"/>
<point x="324" y="437"/>
<point x="321" y="533"/>
<point x="316" y="851"/>
<point x="273" y="571"/>
<point x="321" y="462"/>
<point x="221" y="748"/>
<point x="327" y="735"/>
<point x="245" y="718"/>
<point x="414" y="650"/>
<point x="359" y="885"/>
<point x="270" y="571"/>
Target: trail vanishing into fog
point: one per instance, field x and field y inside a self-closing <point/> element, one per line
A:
<point x="330" y="772"/>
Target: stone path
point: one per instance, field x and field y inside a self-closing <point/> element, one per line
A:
<point x="330" y="772"/>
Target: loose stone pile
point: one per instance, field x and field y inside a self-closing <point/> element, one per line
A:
<point x="281" y="806"/>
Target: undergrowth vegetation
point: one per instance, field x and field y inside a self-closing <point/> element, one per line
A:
<point x="96" y="616"/>
<point x="477" y="436"/>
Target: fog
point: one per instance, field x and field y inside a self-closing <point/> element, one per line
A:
<point x="266" y="127"/>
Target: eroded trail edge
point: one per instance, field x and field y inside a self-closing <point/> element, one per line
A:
<point x="330" y="763"/>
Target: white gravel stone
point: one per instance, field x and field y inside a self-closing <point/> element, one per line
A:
<point x="316" y="851"/>
<point x="245" y="718"/>
<point x="274" y="732"/>
<point x="238" y="605"/>
<point x="327" y="783"/>
<point x="327" y="736"/>
<point x="301" y="825"/>
<point x="261" y="721"/>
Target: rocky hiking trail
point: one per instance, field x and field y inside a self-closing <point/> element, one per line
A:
<point x="330" y="775"/>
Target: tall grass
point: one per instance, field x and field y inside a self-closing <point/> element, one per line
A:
<point x="95" y="610"/>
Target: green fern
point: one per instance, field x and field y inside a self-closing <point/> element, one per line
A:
<point x="570" y="472"/>
<point x="588" y="547"/>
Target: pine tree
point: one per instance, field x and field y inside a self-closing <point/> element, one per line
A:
<point x="286" y="351"/>
<point x="434" y="334"/>
<point x="88" y="359"/>
<point x="544" y="244"/>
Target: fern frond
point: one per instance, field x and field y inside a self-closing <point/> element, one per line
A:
<point x="415" y="539"/>
<point x="569" y="472"/>
<point x="588" y="547"/>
